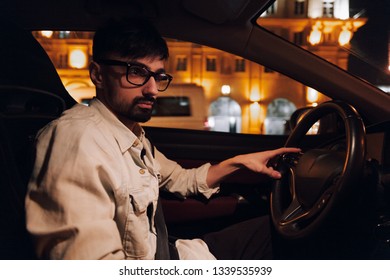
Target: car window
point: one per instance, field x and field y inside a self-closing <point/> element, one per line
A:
<point x="215" y="90"/>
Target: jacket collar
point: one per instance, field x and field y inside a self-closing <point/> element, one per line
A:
<point x="124" y="136"/>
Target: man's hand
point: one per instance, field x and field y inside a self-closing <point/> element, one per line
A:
<point x="256" y="162"/>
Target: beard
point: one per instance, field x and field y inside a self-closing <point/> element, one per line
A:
<point x="136" y="113"/>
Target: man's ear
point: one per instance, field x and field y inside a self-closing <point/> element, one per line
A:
<point x="95" y="74"/>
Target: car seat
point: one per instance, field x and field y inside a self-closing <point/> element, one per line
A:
<point x="31" y="95"/>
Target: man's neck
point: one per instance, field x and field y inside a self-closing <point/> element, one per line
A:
<point x="132" y="125"/>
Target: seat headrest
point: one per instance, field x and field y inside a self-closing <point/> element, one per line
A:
<point x="25" y="63"/>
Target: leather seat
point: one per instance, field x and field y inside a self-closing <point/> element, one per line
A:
<point x="31" y="95"/>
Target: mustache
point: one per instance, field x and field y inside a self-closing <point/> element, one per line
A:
<point x="144" y="99"/>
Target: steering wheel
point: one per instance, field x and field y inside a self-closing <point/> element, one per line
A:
<point x="313" y="183"/>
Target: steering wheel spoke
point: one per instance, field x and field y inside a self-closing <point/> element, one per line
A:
<point x="293" y="213"/>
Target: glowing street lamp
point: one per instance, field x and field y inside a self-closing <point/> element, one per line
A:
<point x="312" y="95"/>
<point x="345" y="36"/>
<point x="78" y="59"/>
<point x="315" y="35"/>
<point x="225" y="90"/>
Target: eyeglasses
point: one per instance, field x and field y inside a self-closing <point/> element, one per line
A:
<point x="138" y="75"/>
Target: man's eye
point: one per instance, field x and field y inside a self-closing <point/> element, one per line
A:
<point x="161" y="77"/>
<point x="137" y="71"/>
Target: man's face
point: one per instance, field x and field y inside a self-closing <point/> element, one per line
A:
<point x="130" y="103"/>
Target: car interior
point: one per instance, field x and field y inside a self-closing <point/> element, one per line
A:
<point x="340" y="211"/>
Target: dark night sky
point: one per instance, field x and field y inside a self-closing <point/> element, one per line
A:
<point x="371" y="40"/>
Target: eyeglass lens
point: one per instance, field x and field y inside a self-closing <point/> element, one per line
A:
<point x="138" y="75"/>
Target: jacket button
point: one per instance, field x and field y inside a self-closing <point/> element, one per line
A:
<point x="142" y="171"/>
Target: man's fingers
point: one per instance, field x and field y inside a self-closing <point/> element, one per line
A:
<point x="284" y="150"/>
<point x="273" y="173"/>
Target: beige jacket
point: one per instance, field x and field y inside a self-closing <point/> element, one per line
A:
<point x="90" y="190"/>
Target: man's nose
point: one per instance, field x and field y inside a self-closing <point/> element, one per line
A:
<point x="151" y="86"/>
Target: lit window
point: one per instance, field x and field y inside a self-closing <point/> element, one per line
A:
<point x="47" y="33"/>
<point x="278" y="114"/>
<point x="211" y="64"/>
<point x="240" y="65"/>
<point x="63" y="34"/>
<point x="328" y="8"/>
<point x="181" y="63"/>
<point x="225" y="115"/>
<point x="299" y="8"/>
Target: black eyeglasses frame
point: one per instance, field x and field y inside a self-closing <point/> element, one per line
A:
<point x="156" y="76"/>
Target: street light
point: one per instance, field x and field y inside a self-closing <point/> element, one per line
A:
<point x="225" y="90"/>
<point x="315" y="34"/>
<point x="77" y="58"/>
<point x="345" y="36"/>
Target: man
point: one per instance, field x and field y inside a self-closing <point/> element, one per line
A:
<point x="94" y="189"/>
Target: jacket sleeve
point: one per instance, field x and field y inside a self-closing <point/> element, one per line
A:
<point x="184" y="182"/>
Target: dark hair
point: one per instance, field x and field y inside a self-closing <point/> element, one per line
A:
<point x="135" y="38"/>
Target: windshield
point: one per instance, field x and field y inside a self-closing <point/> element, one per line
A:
<point x="353" y="34"/>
